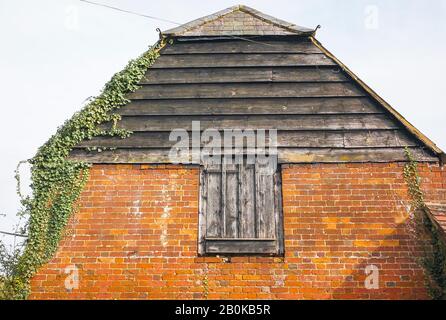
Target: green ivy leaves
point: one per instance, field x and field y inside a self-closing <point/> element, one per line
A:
<point x="58" y="182"/>
<point x="431" y="241"/>
<point x="413" y="181"/>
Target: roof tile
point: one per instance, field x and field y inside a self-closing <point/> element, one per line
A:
<point x="439" y="213"/>
<point x="237" y="20"/>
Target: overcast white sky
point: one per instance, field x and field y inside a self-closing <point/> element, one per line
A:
<point x="55" y="54"/>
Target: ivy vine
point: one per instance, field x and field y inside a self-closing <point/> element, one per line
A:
<point x="427" y="233"/>
<point x="57" y="181"/>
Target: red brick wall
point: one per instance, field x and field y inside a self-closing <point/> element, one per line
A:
<point x="135" y="237"/>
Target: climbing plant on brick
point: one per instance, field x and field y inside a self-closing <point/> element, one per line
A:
<point x="427" y="232"/>
<point x="57" y="182"/>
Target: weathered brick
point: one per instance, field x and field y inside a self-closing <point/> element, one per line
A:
<point x="135" y="237"/>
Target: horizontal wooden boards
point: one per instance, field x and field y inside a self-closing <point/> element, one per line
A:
<point x="279" y="122"/>
<point x="352" y="155"/>
<point x="246" y="90"/>
<point x="241" y="60"/>
<point x="240" y="46"/>
<point x="320" y="113"/>
<point x="179" y="107"/>
<point x="287" y="139"/>
<point x="286" y="155"/>
<point x="231" y="246"/>
<point x="260" y="74"/>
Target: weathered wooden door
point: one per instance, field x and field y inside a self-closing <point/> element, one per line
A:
<point x="240" y="209"/>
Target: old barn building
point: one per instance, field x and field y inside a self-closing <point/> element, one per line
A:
<point x="330" y="221"/>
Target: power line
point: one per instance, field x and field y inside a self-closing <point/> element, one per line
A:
<point x="131" y="12"/>
<point x="169" y="21"/>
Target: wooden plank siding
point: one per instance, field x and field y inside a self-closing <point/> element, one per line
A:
<point x="237" y="46"/>
<point x="279" y="122"/>
<point x="243" y="60"/>
<point x="286" y="155"/>
<point x="241" y="208"/>
<point x="246" y="90"/>
<point x="320" y="113"/>
<point x="251" y="106"/>
<point x="250" y="75"/>
<point x="285" y="139"/>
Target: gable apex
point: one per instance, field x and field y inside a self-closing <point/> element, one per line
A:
<point x="239" y="20"/>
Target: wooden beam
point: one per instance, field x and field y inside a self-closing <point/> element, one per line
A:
<point x="240" y="46"/>
<point x="286" y="155"/>
<point x="285" y="139"/>
<point x="279" y="122"/>
<point x="246" y="90"/>
<point x="237" y="246"/>
<point x="377" y="155"/>
<point x="247" y="106"/>
<point x="241" y="60"/>
<point x="240" y="75"/>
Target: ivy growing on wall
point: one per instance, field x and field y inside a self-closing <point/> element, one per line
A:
<point x="427" y="232"/>
<point x="57" y="181"/>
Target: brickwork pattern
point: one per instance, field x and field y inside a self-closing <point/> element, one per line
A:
<point x="135" y="237"/>
<point x="237" y="23"/>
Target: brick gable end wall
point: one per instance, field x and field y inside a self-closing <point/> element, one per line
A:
<point x="135" y="237"/>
